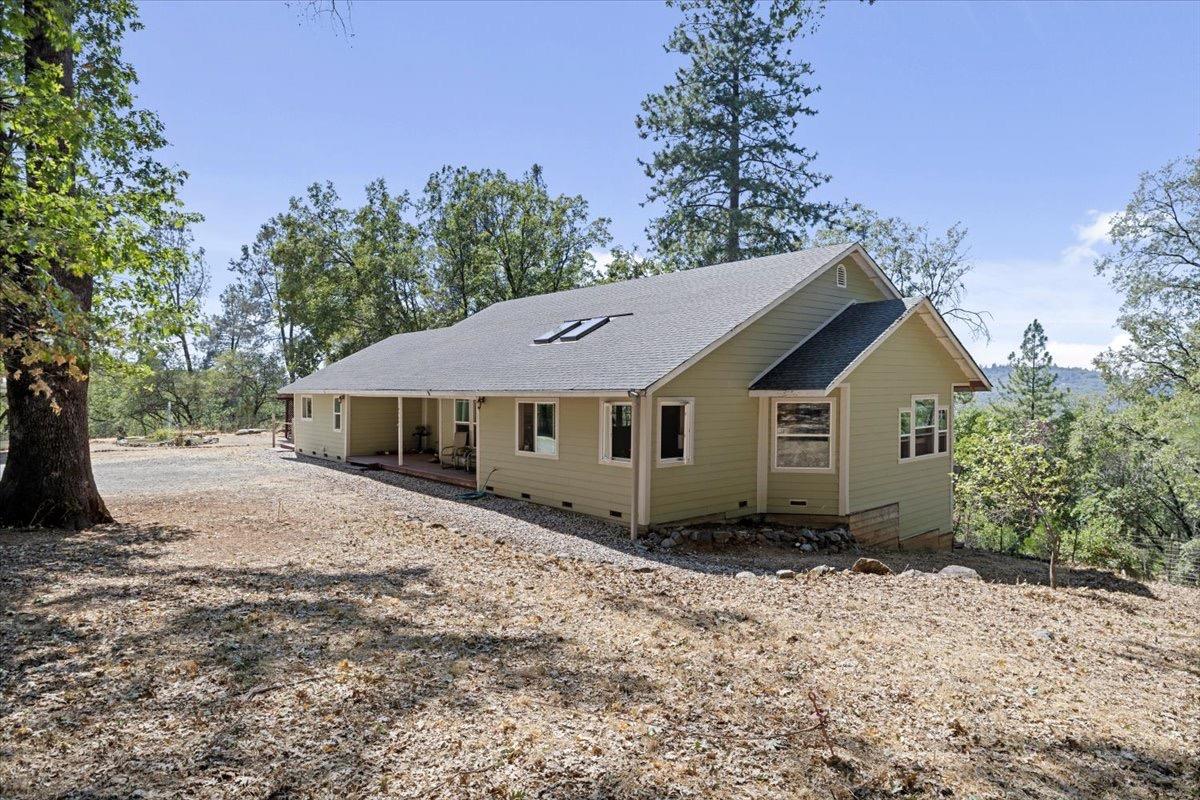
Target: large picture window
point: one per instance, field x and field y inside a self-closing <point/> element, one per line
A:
<point x="803" y="435"/>
<point x="924" y="428"/>
<point x="616" y="434"/>
<point x="537" y="428"/>
<point x="675" y="432"/>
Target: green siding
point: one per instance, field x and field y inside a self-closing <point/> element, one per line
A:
<point x="373" y="425"/>
<point x="725" y="458"/>
<point x="316" y="436"/>
<point x="576" y="475"/>
<point x="910" y="362"/>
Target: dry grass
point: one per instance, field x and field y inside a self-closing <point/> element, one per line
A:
<point x="222" y="644"/>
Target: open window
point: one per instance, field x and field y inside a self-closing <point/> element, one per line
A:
<point x="616" y="432"/>
<point x="675" y="431"/>
<point x="306" y="403"/>
<point x="337" y="413"/>
<point x="924" y="428"/>
<point x="537" y="428"/>
<point x="803" y="435"/>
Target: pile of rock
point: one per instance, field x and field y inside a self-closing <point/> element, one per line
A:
<point x="719" y="538"/>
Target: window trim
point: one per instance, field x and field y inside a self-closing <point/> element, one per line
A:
<point x="339" y="410"/>
<point x="689" y="431"/>
<point x="306" y="398"/>
<point x="605" y="448"/>
<point x="775" y="401"/>
<point x="912" y="429"/>
<point x="536" y="401"/>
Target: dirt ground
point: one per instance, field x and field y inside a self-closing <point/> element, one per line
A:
<point x="260" y="626"/>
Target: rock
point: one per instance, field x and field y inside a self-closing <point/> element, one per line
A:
<point x="643" y="568"/>
<point x="703" y="537"/>
<point x="871" y="566"/>
<point x="821" y="569"/>
<point x="722" y="537"/>
<point x="807" y="547"/>
<point x="1044" y="635"/>
<point x="785" y="574"/>
<point x="745" y="575"/>
<point x="959" y="572"/>
<point x="911" y="573"/>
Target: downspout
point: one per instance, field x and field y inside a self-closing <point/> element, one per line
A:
<point x="634" y="462"/>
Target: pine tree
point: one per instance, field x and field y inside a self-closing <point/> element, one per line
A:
<point x="733" y="181"/>
<point x="1030" y="394"/>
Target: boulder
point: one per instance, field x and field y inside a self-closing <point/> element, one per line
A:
<point x="821" y="569"/>
<point x="959" y="572"/>
<point x="871" y="566"/>
<point x="745" y="575"/>
<point x="785" y="574"/>
<point x="911" y="573"/>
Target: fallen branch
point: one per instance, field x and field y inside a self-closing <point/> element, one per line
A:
<point x="257" y="690"/>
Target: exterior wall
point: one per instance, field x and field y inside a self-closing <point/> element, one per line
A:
<point x="316" y="436"/>
<point x="724" y="468"/>
<point x="576" y="476"/>
<point x="820" y="489"/>
<point x="910" y="362"/>
<point x="372" y="425"/>
<point x="411" y="419"/>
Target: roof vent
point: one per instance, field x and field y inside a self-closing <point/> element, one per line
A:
<point x="841" y="276"/>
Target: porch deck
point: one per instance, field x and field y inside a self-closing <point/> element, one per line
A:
<point x="418" y="466"/>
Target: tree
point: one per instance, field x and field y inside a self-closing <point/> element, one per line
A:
<point x="626" y="265"/>
<point x="1156" y="266"/>
<point x="1017" y="478"/>
<point x="732" y="179"/>
<point x="1030" y="395"/>
<point x="242" y="324"/>
<point x="186" y="284"/>
<point x="919" y="263"/>
<point x="80" y="192"/>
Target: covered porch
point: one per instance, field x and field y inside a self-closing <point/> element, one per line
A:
<point x="402" y="435"/>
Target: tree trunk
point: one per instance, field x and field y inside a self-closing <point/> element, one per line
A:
<point x="733" y="239"/>
<point x="1054" y="565"/>
<point x="47" y="479"/>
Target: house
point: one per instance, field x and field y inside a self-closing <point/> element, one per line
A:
<point x="799" y="387"/>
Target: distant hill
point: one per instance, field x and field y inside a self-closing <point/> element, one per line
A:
<point x="1079" y="381"/>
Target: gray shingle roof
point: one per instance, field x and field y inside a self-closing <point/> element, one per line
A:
<point x="820" y="359"/>
<point x="671" y="318"/>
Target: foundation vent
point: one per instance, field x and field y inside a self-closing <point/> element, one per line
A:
<point x="568" y="504"/>
<point x="743" y="503"/>
<point x="800" y="503"/>
<point x="616" y="514"/>
<point x="525" y="496"/>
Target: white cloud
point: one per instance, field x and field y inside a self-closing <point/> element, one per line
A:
<point x="1077" y="308"/>
<point x="1081" y="354"/>
<point x="603" y="259"/>
<point x="1089" y="237"/>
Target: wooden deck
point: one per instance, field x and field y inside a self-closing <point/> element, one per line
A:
<point x="418" y="466"/>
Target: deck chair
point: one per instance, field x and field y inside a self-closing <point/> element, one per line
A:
<point x="452" y="452"/>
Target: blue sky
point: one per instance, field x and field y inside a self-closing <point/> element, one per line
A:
<point x="1028" y="122"/>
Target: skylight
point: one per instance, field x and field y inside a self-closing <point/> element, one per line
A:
<point x="574" y="329"/>
<point x="585" y="327"/>
<point x="551" y="335"/>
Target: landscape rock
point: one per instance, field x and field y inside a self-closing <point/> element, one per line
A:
<point x="745" y="575"/>
<point x="912" y="573"/>
<point x="821" y="569"/>
<point x="785" y="574"/>
<point x="871" y="566"/>
<point x="959" y="572"/>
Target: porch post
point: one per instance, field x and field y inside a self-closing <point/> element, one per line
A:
<point x="400" y="431"/>
<point x="764" y="435"/>
<point x="635" y="453"/>
<point x="345" y="428"/>
<point x="478" y="449"/>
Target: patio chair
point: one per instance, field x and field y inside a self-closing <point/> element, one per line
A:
<point x="452" y="452"/>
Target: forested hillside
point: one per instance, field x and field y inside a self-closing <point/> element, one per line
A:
<point x="1076" y="381"/>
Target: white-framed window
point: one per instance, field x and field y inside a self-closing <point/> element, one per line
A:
<point x="841" y="276"/>
<point x="464" y="420"/>
<point x="803" y="439"/>
<point x="616" y="432"/>
<point x="537" y="428"/>
<point x="676" y="430"/>
<point x="337" y="413"/>
<point x="305" y="407"/>
<point x="924" y="428"/>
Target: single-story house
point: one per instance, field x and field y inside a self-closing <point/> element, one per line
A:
<point x="799" y="387"/>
